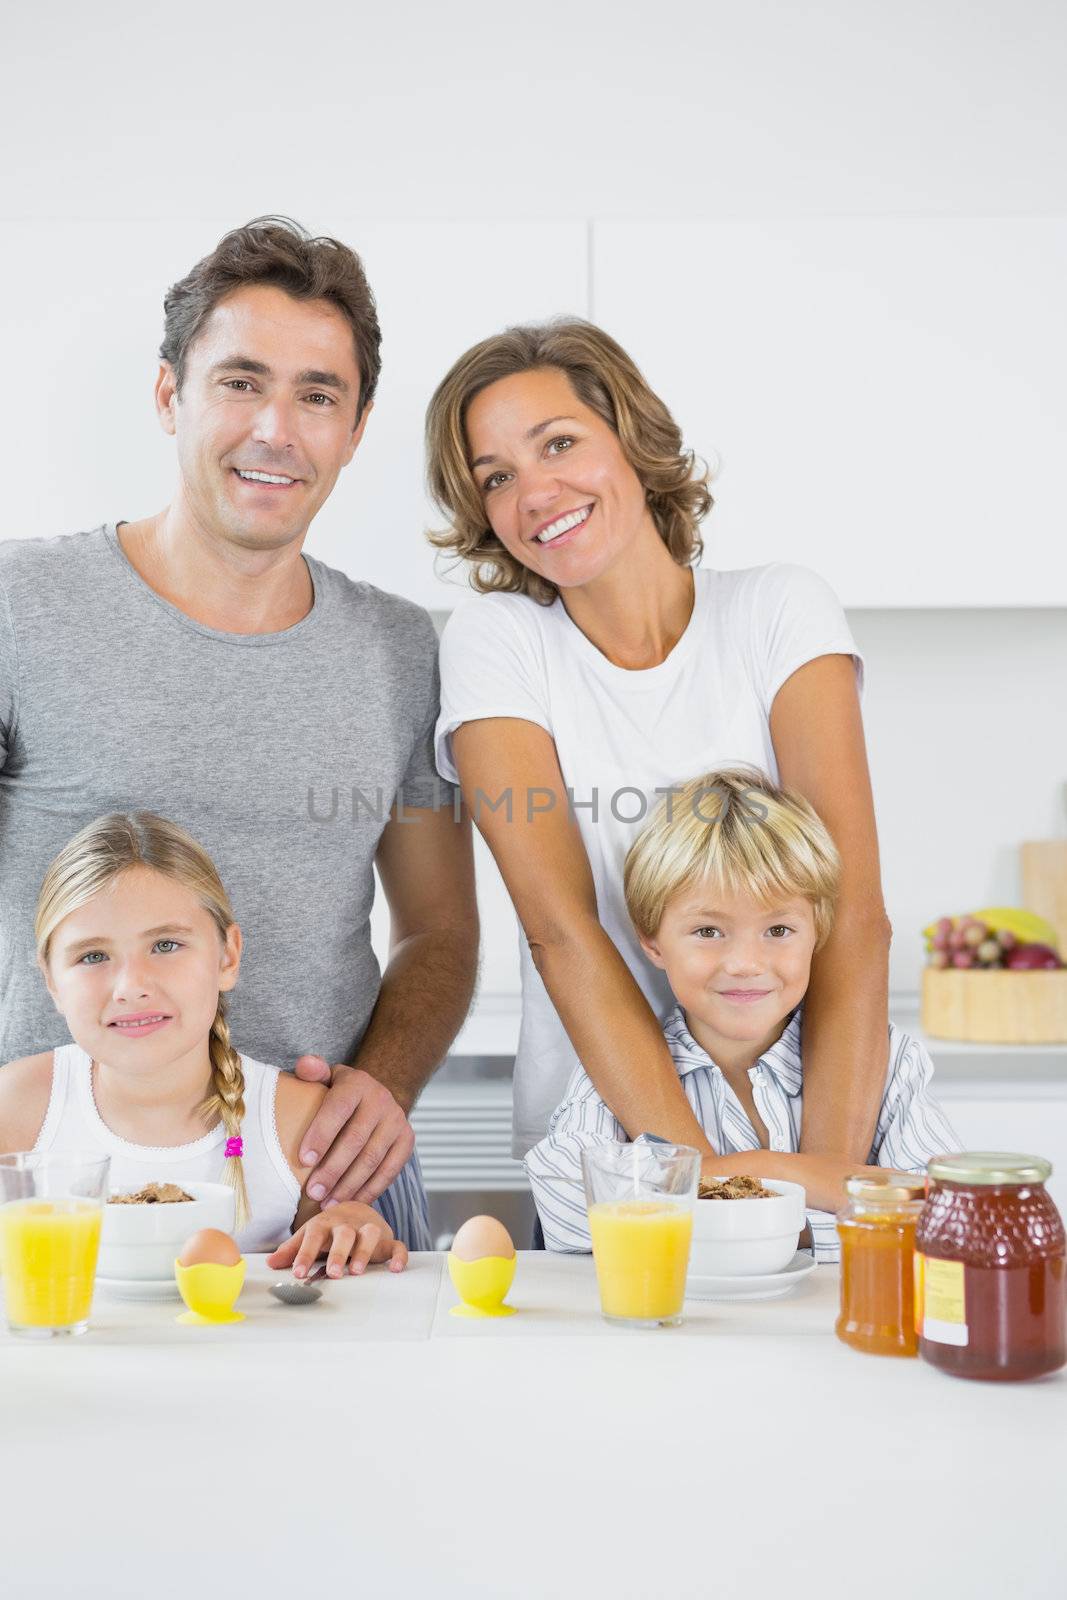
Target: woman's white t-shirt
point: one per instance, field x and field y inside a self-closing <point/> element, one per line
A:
<point x="620" y="735"/>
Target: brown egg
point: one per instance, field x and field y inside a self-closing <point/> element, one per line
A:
<point x="482" y="1236"/>
<point x="209" y="1247"/>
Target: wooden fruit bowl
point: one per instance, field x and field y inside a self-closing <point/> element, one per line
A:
<point x="995" y="1007"/>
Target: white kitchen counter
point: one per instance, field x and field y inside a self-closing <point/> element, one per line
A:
<point x="492" y="1029"/>
<point x="374" y="1444"/>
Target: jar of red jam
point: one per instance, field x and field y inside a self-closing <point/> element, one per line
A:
<point x="991" y="1268"/>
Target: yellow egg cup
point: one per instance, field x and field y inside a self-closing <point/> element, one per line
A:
<point x="210" y="1292"/>
<point x="482" y="1285"/>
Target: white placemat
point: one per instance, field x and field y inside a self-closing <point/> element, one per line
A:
<point x="380" y="1305"/>
<point x="555" y="1296"/>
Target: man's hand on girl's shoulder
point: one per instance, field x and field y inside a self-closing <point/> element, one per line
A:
<point x="360" y="1138"/>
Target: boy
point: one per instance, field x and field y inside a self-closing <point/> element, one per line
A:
<point x="731" y="889"/>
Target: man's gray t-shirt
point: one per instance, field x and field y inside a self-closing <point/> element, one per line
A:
<point x="281" y="753"/>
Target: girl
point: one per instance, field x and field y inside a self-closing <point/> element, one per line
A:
<point x="138" y="945"/>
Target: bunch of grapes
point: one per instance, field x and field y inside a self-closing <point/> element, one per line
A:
<point x="968" y="943"/>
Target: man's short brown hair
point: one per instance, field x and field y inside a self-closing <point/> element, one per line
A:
<point x="277" y="251"/>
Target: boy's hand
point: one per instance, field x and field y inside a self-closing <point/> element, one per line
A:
<point x="350" y="1235"/>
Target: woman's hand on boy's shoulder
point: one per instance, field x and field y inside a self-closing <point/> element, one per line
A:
<point x="350" y="1235"/>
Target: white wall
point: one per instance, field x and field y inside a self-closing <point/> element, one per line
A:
<point x="884" y="395"/>
<point x="965" y="714"/>
<point x="726" y="108"/>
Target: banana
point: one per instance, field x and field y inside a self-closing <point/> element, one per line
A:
<point x="1027" y="926"/>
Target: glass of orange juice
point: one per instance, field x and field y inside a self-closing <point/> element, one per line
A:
<point x="640" y="1198"/>
<point x="51" y="1208"/>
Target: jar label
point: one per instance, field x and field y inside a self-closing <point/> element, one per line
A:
<point x="944" y="1310"/>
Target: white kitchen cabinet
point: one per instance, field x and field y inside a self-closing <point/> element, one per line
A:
<point x="441" y="287"/>
<point x="885" y="396"/>
<point x="1030" y="1119"/>
<point x="86" y="342"/>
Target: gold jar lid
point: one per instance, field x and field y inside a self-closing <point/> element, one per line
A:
<point x="989" y="1167"/>
<point x="889" y="1188"/>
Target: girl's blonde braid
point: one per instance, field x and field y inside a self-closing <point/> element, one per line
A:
<point x="227" y="1101"/>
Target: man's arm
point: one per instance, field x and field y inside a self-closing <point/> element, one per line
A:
<point x="822" y="1177"/>
<point x="426" y="865"/>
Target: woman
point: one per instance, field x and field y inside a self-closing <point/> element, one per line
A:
<point x="597" y="666"/>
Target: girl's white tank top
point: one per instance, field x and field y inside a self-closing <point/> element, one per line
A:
<point x="72" y="1122"/>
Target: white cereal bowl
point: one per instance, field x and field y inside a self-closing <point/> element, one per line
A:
<point x="141" y="1242"/>
<point x="742" y="1238"/>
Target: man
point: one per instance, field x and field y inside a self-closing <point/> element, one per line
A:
<point x="198" y="665"/>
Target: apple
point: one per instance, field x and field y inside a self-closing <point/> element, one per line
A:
<point x="1032" y="958"/>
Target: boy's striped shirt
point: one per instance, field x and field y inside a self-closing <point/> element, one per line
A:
<point x="911" y="1126"/>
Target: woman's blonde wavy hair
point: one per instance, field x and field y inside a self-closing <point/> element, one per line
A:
<point x="743" y="833"/>
<point x="92" y="860"/>
<point x="605" y="379"/>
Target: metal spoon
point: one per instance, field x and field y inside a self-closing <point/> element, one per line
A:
<point x="300" y="1292"/>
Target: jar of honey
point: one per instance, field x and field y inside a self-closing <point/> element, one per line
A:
<point x="991" y="1268"/>
<point x="877" y="1231"/>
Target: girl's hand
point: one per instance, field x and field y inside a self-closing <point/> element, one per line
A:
<point x="350" y="1235"/>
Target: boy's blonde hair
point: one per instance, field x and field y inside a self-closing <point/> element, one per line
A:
<point x="746" y="835"/>
<point x="92" y="860"/>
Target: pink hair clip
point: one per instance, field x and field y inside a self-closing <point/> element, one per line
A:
<point x="235" y="1147"/>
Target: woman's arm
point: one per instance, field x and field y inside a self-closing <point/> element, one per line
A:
<point x="818" y="741"/>
<point x="822" y="1177"/>
<point x="613" y="1029"/>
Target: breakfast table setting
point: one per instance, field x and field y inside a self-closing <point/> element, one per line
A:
<point x="516" y="1423"/>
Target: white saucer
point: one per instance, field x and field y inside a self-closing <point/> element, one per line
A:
<point x="761" y="1286"/>
<point x="139" y="1288"/>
